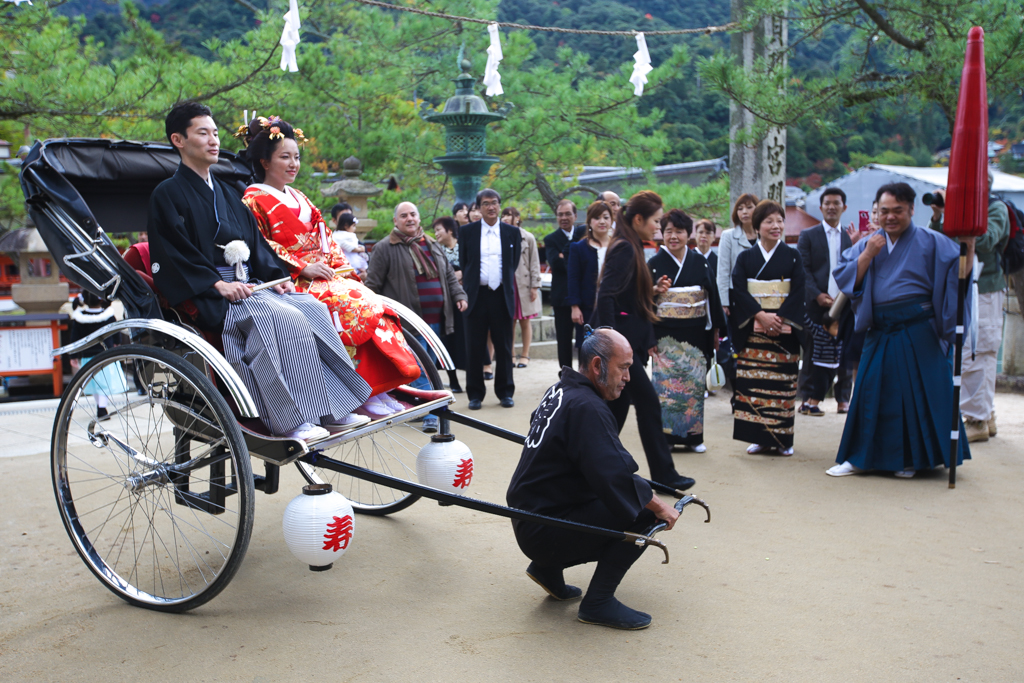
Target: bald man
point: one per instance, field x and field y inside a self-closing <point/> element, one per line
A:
<point x="411" y="268"/>
<point x="574" y="467"/>
<point x="613" y="200"/>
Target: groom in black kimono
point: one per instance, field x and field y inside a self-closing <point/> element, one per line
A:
<point x="207" y="254"/>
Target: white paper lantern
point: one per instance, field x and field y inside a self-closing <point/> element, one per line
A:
<point x="716" y="377"/>
<point x="318" y="526"/>
<point x="445" y="464"/>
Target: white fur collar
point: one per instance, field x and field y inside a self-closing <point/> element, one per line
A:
<point x="88" y="316"/>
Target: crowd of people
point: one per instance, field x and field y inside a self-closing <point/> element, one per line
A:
<point x="790" y="324"/>
<point x="868" y="315"/>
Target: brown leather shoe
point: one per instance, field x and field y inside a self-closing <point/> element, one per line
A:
<point x="977" y="430"/>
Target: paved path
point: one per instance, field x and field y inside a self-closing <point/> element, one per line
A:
<point x="800" y="577"/>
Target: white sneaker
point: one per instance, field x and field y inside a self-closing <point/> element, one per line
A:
<point x="905" y="474"/>
<point x="308" y="432"/>
<point x="351" y="421"/>
<point x="699" y="448"/>
<point x="842" y="470"/>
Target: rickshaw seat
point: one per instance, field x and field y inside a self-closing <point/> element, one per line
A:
<point x="137" y="256"/>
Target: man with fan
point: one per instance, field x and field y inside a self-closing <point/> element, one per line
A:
<point x="902" y="282"/>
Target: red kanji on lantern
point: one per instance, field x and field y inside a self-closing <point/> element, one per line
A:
<point x="339" y="533"/>
<point x="464" y="474"/>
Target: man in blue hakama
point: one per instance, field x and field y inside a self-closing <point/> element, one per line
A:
<point x="902" y="282"/>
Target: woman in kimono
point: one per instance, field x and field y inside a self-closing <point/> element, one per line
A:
<point x="296" y="232"/>
<point x="586" y="257"/>
<point x="767" y="312"/>
<point x="689" y="317"/>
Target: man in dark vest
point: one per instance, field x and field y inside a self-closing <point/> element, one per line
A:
<point x="820" y="248"/>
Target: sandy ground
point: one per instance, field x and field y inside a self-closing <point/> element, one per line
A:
<point x="799" y="577"/>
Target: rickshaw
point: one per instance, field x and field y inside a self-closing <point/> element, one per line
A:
<point x="157" y="496"/>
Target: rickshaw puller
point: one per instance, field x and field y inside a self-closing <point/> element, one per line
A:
<point x="206" y="248"/>
<point x="574" y="467"/>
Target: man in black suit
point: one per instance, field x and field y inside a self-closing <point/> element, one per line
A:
<point x="488" y="256"/>
<point x="819" y="249"/>
<point x="556" y="248"/>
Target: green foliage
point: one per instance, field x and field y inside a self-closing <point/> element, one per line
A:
<point x="888" y="54"/>
<point x="709" y="200"/>
<point x="888" y="157"/>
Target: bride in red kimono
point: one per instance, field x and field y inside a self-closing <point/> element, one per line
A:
<point x="295" y="229"/>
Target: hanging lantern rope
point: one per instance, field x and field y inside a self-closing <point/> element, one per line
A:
<point x="550" y="29"/>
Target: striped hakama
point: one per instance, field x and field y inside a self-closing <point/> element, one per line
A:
<point x="290" y="358"/>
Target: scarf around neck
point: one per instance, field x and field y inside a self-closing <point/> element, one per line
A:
<point x="424" y="266"/>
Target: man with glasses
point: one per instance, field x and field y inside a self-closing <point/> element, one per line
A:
<point x="489" y="253"/>
<point x="902" y="282"/>
<point x="556" y="251"/>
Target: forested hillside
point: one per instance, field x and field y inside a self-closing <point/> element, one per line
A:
<point x="695" y="118"/>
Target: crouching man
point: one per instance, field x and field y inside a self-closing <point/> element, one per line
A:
<point x="574" y="467"/>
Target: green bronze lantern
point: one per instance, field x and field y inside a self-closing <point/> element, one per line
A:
<point x="465" y="118"/>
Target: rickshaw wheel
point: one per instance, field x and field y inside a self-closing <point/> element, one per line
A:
<point x="158" y="496"/>
<point x="390" y="451"/>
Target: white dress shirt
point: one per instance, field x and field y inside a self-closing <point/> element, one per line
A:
<point x="835" y="243"/>
<point x="490" y="255"/>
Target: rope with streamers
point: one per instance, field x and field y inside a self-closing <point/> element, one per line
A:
<point x="551" y="29"/>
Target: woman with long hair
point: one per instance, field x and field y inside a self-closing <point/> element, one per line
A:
<point x="586" y="257"/>
<point x="768" y="314"/>
<point x="460" y="212"/>
<point x="295" y="230"/>
<point x="446" y="232"/>
<point x="625" y="302"/>
<point x="689" y="317"/>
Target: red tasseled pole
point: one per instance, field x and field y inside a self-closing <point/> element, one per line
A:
<point x="967" y="190"/>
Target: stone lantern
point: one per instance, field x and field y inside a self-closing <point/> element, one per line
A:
<point x="356" y="192"/>
<point x="465" y="118"/>
<point x="40" y="290"/>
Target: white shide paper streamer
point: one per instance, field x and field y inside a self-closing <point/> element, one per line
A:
<point x="492" y="79"/>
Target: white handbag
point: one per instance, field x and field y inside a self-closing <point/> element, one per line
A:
<point x="716" y="377"/>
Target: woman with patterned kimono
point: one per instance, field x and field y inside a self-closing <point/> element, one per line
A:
<point x="689" y="317"/>
<point x="767" y="314"/>
<point x="296" y="232"/>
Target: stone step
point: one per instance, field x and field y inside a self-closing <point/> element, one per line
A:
<point x="547" y="350"/>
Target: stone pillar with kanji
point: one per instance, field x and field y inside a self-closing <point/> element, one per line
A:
<point x="759" y="165"/>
